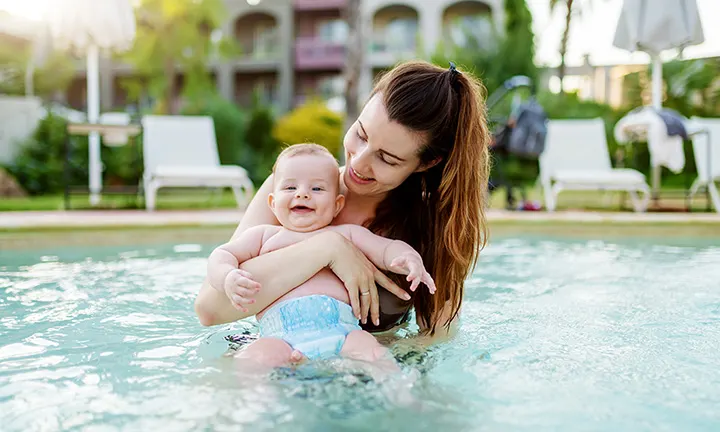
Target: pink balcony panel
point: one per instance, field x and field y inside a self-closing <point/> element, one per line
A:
<point x="307" y="5"/>
<point x="314" y="53"/>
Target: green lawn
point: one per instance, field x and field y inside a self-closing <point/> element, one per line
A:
<point x="210" y="199"/>
<point x="175" y="199"/>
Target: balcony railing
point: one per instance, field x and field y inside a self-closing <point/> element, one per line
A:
<point x="384" y="43"/>
<point x="307" y="5"/>
<point x="315" y="53"/>
<point x="262" y="47"/>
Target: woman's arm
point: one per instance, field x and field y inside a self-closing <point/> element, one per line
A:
<point x="327" y="249"/>
<point x="213" y="307"/>
<point x="443" y="333"/>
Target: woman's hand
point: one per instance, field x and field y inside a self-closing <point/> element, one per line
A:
<point x="359" y="276"/>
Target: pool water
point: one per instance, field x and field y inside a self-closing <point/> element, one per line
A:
<point x="556" y="334"/>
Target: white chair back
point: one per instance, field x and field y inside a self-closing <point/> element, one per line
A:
<point x="700" y="147"/>
<point x="187" y="141"/>
<point x="575" y="145"/>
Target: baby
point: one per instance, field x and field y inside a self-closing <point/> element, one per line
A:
<point x="315" y="319"/>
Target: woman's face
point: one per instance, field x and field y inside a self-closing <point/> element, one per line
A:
<point x="379" y="154"/>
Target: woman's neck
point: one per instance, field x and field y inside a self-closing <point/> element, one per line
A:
<point x="358" y="208"/>
<point x="364" y="201"/>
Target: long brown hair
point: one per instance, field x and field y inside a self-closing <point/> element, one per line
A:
<point x="439" y="211"/>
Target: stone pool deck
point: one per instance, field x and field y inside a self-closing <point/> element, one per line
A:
<point x="83" y="219"/>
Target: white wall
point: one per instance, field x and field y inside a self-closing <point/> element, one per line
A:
<point x="18" y="118"/>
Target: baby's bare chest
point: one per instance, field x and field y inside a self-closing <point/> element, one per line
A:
<point x="284" y="238"/>
<point x="280" y="240"/>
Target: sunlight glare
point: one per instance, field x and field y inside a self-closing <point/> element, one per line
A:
<point x="33" y="10"/>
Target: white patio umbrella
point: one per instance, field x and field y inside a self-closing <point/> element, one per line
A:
<point x="654" y="26"/>
<point x="88" y="26"/>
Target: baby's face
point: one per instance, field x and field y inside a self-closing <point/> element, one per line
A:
<point x="306" y="195"/>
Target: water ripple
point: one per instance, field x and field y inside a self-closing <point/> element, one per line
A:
<point x="555" y="334"/>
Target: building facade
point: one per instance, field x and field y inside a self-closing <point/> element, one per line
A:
<point x="295" y="49"/>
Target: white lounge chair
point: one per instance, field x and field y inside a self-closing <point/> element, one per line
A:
<point x="707" y="175"/>
<point x="181" y="151"/>
<point x="576" y="158"/>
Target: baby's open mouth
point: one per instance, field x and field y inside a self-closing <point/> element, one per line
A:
<point x="301" y="209"/>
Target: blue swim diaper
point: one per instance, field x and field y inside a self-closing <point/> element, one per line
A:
<point x="315" y="325"/>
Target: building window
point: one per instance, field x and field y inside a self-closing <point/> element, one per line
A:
<point x="264" y="41"/>
<point x="400" y="34"/>
<point x="471" y="28"/>
<point x="331" y="86"/>
<point x="334" y="31"/>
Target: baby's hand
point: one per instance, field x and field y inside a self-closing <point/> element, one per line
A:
<point x="411" y="265"/>
<point x="239" y="287"/>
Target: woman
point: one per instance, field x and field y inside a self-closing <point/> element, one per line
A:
<point x="416" y="170"/>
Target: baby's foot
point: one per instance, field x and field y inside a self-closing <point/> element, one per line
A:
<point x="296" y="357"/>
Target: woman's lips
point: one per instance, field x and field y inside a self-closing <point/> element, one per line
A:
<point x="357" y="179"/>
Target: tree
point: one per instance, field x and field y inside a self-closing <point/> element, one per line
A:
<point x="689" y="87"/>
<point x="572" y="8"/>
<point x="353" y="64"/>
<point x="566" y="34"/>
<point x="509" y="53"/>
<point x="52" y="76"/>
<point x="174" y="36"/>
<point x="519" y="40"/>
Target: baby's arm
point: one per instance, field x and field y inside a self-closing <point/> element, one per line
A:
<point x="394" y="255"/>
<point x="228" y="257"/>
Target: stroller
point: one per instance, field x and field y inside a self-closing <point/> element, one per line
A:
<point x="520" y="135"/>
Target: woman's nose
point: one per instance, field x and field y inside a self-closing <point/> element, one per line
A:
<point x="360" y="156"/>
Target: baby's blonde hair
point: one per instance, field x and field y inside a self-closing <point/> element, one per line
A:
<point x="302" y="149"/>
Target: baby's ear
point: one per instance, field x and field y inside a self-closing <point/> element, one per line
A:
<point x="339" y="203"/>
<point x="271" y="202"/>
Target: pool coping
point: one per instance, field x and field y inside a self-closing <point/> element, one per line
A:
<point x="119" y="219"/>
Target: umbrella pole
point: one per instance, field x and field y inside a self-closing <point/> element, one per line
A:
<point x="29" y="83"/>
<point x="657" y="104"/>
<point x="93" y="99"/>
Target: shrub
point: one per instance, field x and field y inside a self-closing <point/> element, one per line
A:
<point x="264" y="147"/>
<point x="311" y="122"/>
<point x="40" y="165"/>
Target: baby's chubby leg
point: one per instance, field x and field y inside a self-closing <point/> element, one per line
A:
<point x="270" y="352"/>
<point x="361" y="345"/>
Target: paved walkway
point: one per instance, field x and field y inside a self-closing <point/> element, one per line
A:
<point x="140" y="218"/>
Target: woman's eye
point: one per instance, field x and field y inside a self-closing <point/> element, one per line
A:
<point x="382" y="158"/>
<point x="358" y="135"/>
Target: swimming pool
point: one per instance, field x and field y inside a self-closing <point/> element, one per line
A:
<point x="557" y="334"/>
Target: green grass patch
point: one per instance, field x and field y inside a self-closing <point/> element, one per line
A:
<point x="171" y="199"/>
<point x="197" y="199"/>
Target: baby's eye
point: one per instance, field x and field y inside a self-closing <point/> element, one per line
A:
<point x="317" y="189"/>
<point x="290" y="187"/>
